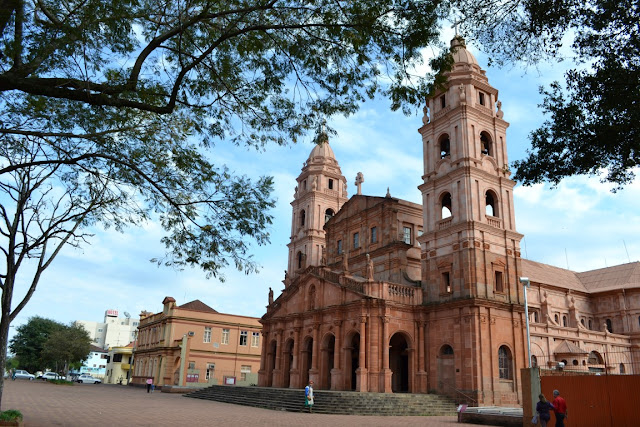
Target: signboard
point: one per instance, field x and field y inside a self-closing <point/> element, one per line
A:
<point x="230" y="380"/>
<point x="111" y="313"/>
<point x="193" y="378"/>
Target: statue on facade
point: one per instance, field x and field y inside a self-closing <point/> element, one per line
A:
<point x="463" y="94"/>
<point x="499" y="113"/>
<point x="345" y="262"/>
<point x="369" y="268"/>
<point x="425" y="118"/>
<point x="270" y="296"/>
<point x="323" y="258"/>
<point x="314" y="183"/>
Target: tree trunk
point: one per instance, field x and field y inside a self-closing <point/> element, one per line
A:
<point x="4" y="330"/>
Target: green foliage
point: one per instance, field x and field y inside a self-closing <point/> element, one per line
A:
<point x="11" y="415"/>
<point x="592" y="125"/>
<point x="30" y="340"/>
<point x="71" y="344"/>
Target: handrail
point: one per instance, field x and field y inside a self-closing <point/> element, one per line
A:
<point x="470" y="399"/>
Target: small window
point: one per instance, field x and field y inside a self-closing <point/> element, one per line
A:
<point x="304" y="184"/>
<point x="481" y="98"/>
<point x="303" y="218"/>
<point x="374" y="234"/>
<point x="255" y="339"/>
<point x="609" y="325"/>
<point x="582" y="322"/>
<point x="207" y="334"/>
<point x="504" y="363"/>
<point x="244" y="370"/>
<point x="445" y="146"/>
<point x="590" y="324"/>
<point x="339" y="247"/>
<point x="499" y="285"/>
<point x="556" y="318"/>
<point x="210" y="370"/>
<point x="490" y="204"/>
<point x="536" y="317"/>
<point x="244" y="337"/>
<point x="443" y="101"/>
<point x="330" y="185"/>
<point x="446" y="282"/>
<point x="328" y="214"/>
<point x="565" y="323"/>
<point x="117" y="357"/>
<point x="225" y="336"/>
<point x="356" y="240"/>
<point x="446" y="206"/>
<point x="99" y="329"/>
<point x="622" y="370"/>
<point x="192" y="365"/>
<point x="300" y="258"/>
<point x="406" y="235"/>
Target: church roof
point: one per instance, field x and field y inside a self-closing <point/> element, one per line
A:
<point x="197" y="305"/>
<point x="550" y="275"/>
<point x="616" y="277"/>
<point x="566" y="347"/>
<point x="461" y="54"/>
<point x="322" y="150"/>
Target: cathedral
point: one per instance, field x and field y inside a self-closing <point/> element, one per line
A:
<point x="385" y="295"/>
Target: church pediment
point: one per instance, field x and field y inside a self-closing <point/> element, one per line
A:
<point x="566" y="347"/>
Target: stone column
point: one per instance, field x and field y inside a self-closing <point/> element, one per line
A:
<point x="336" y="372"/>
<point x="313" y="372"/>
<point x="262" y="373"/>
<point x="294" y="373"/>
<point x="277" y="371"/>
<point x="386" y="372"/>
<point x="422" y="374"/>
<point x="361" y="372"/>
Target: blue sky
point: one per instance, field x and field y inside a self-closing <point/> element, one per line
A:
<point x="580" y="225"/>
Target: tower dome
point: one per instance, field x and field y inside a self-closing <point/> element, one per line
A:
<point x="322" y="149"/>
<point x="460" y="52"/>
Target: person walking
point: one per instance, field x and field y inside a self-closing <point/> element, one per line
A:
<point x="308" y="396"/>
<point x="560" y="408"/>
<point x="149" y="383"/>
<point x="542" y="409"/>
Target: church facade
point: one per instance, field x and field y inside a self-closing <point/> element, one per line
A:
<point x="385" y="295"/>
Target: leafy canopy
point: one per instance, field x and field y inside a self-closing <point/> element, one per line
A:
<point x="592" y="125"/>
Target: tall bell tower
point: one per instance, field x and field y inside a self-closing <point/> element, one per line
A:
<point x="320" y="193"/>
<point x="470" y="244"/>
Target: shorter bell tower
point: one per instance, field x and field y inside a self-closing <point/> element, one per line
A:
<point x="320" y="192"/>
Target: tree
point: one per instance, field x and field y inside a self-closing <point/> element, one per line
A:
<point x="65" y="347"/>
<point x="30" y="341"/>
<point x="110" y="112"/>
<point x="593" y="121"/>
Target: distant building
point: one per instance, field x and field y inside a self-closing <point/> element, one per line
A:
<point x="119" y="362"/>
<point x="113" y="332"/>
<point x="193" y="345"/>
<point x="95" y="364"/>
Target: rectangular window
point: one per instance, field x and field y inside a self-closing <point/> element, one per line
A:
<point x="406" y="235"/>
<point x="443" y="101"/>
<point x="330" y="184"/>
<point x="481" y="98"/>
<point x="207" y="334"/>
<point x="374" y="234"/>
<point x="117" y="357"/>
<point x="339" y="247"/>
<point x="244" y="336"/>
<point x="225" y="336"/>
<point x="255" y="339"/>
<point x="192" y="365"/>
<point x="356" y="240"/>
<point x="99" y="329"/>
<point x="420" y="232"/>
<point x="498" y="282"/>
<point x="446" y="283"/>
<point x="244" y="370"/>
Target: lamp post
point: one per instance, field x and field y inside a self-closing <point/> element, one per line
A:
<point x="525" y="284"/>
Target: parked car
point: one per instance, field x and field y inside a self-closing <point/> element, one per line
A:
<point x="84" y="378"/>
<point x="51" y="376"/>
<point x="21" y="374"/>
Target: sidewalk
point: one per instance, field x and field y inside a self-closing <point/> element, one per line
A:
<point x="44" y="404"/>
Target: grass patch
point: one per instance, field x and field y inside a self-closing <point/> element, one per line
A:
<point x="11" y="415"/>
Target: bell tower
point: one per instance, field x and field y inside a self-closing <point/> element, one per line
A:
<point x="320" y="193"/>
<point x="470" y="245"/>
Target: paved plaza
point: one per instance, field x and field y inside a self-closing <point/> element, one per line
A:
<point x="44" y="404"/>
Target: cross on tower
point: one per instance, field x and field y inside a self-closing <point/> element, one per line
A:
<point x="359" y="181"/>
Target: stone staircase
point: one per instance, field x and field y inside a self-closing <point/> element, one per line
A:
<point x="330" y="402"/>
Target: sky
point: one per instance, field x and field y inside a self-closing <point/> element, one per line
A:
<point x="580" y="225"/>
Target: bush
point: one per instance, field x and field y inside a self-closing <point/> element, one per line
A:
<point x="11" y="415"/>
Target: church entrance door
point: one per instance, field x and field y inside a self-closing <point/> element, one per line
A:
<point x="352" y="354"/>
<point x="399" y="363"/>
<point x="307" y="359"/>
<point x="446" y="370"/>
<point x="328" y="350"/>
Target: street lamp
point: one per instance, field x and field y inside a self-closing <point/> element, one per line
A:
<point x="525" y="284"/>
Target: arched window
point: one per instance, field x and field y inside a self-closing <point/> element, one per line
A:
<point x="446" y="350"/>
<point x="328" y="214"/>
<point x="556" y="318"/>
<point x="609" y="325"/>
<point x="595" y="358"/>
<point x="447" y="211"/>
<point x="312" y="298"/>
<point x="300" y="259"/>
<point x="485" y="144"/>
<point x="582" y="322"/>
<point x="504" y="363"/>
<point x="564" y="321"/>
<point x="303" y="217"/>
<point x="590" y="325"/>
<point x="622" y="370"/>
<point x="536" y="317"/>
<point x="445" y="146"/>
<point x="491" y="208"/>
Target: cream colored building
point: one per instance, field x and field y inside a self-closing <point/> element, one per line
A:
<point x="119" y="364"/>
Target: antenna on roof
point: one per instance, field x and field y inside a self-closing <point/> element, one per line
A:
<point x="625" y="249"/>
<point x="126" y="314"/>
<point x="566" y="257"/>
